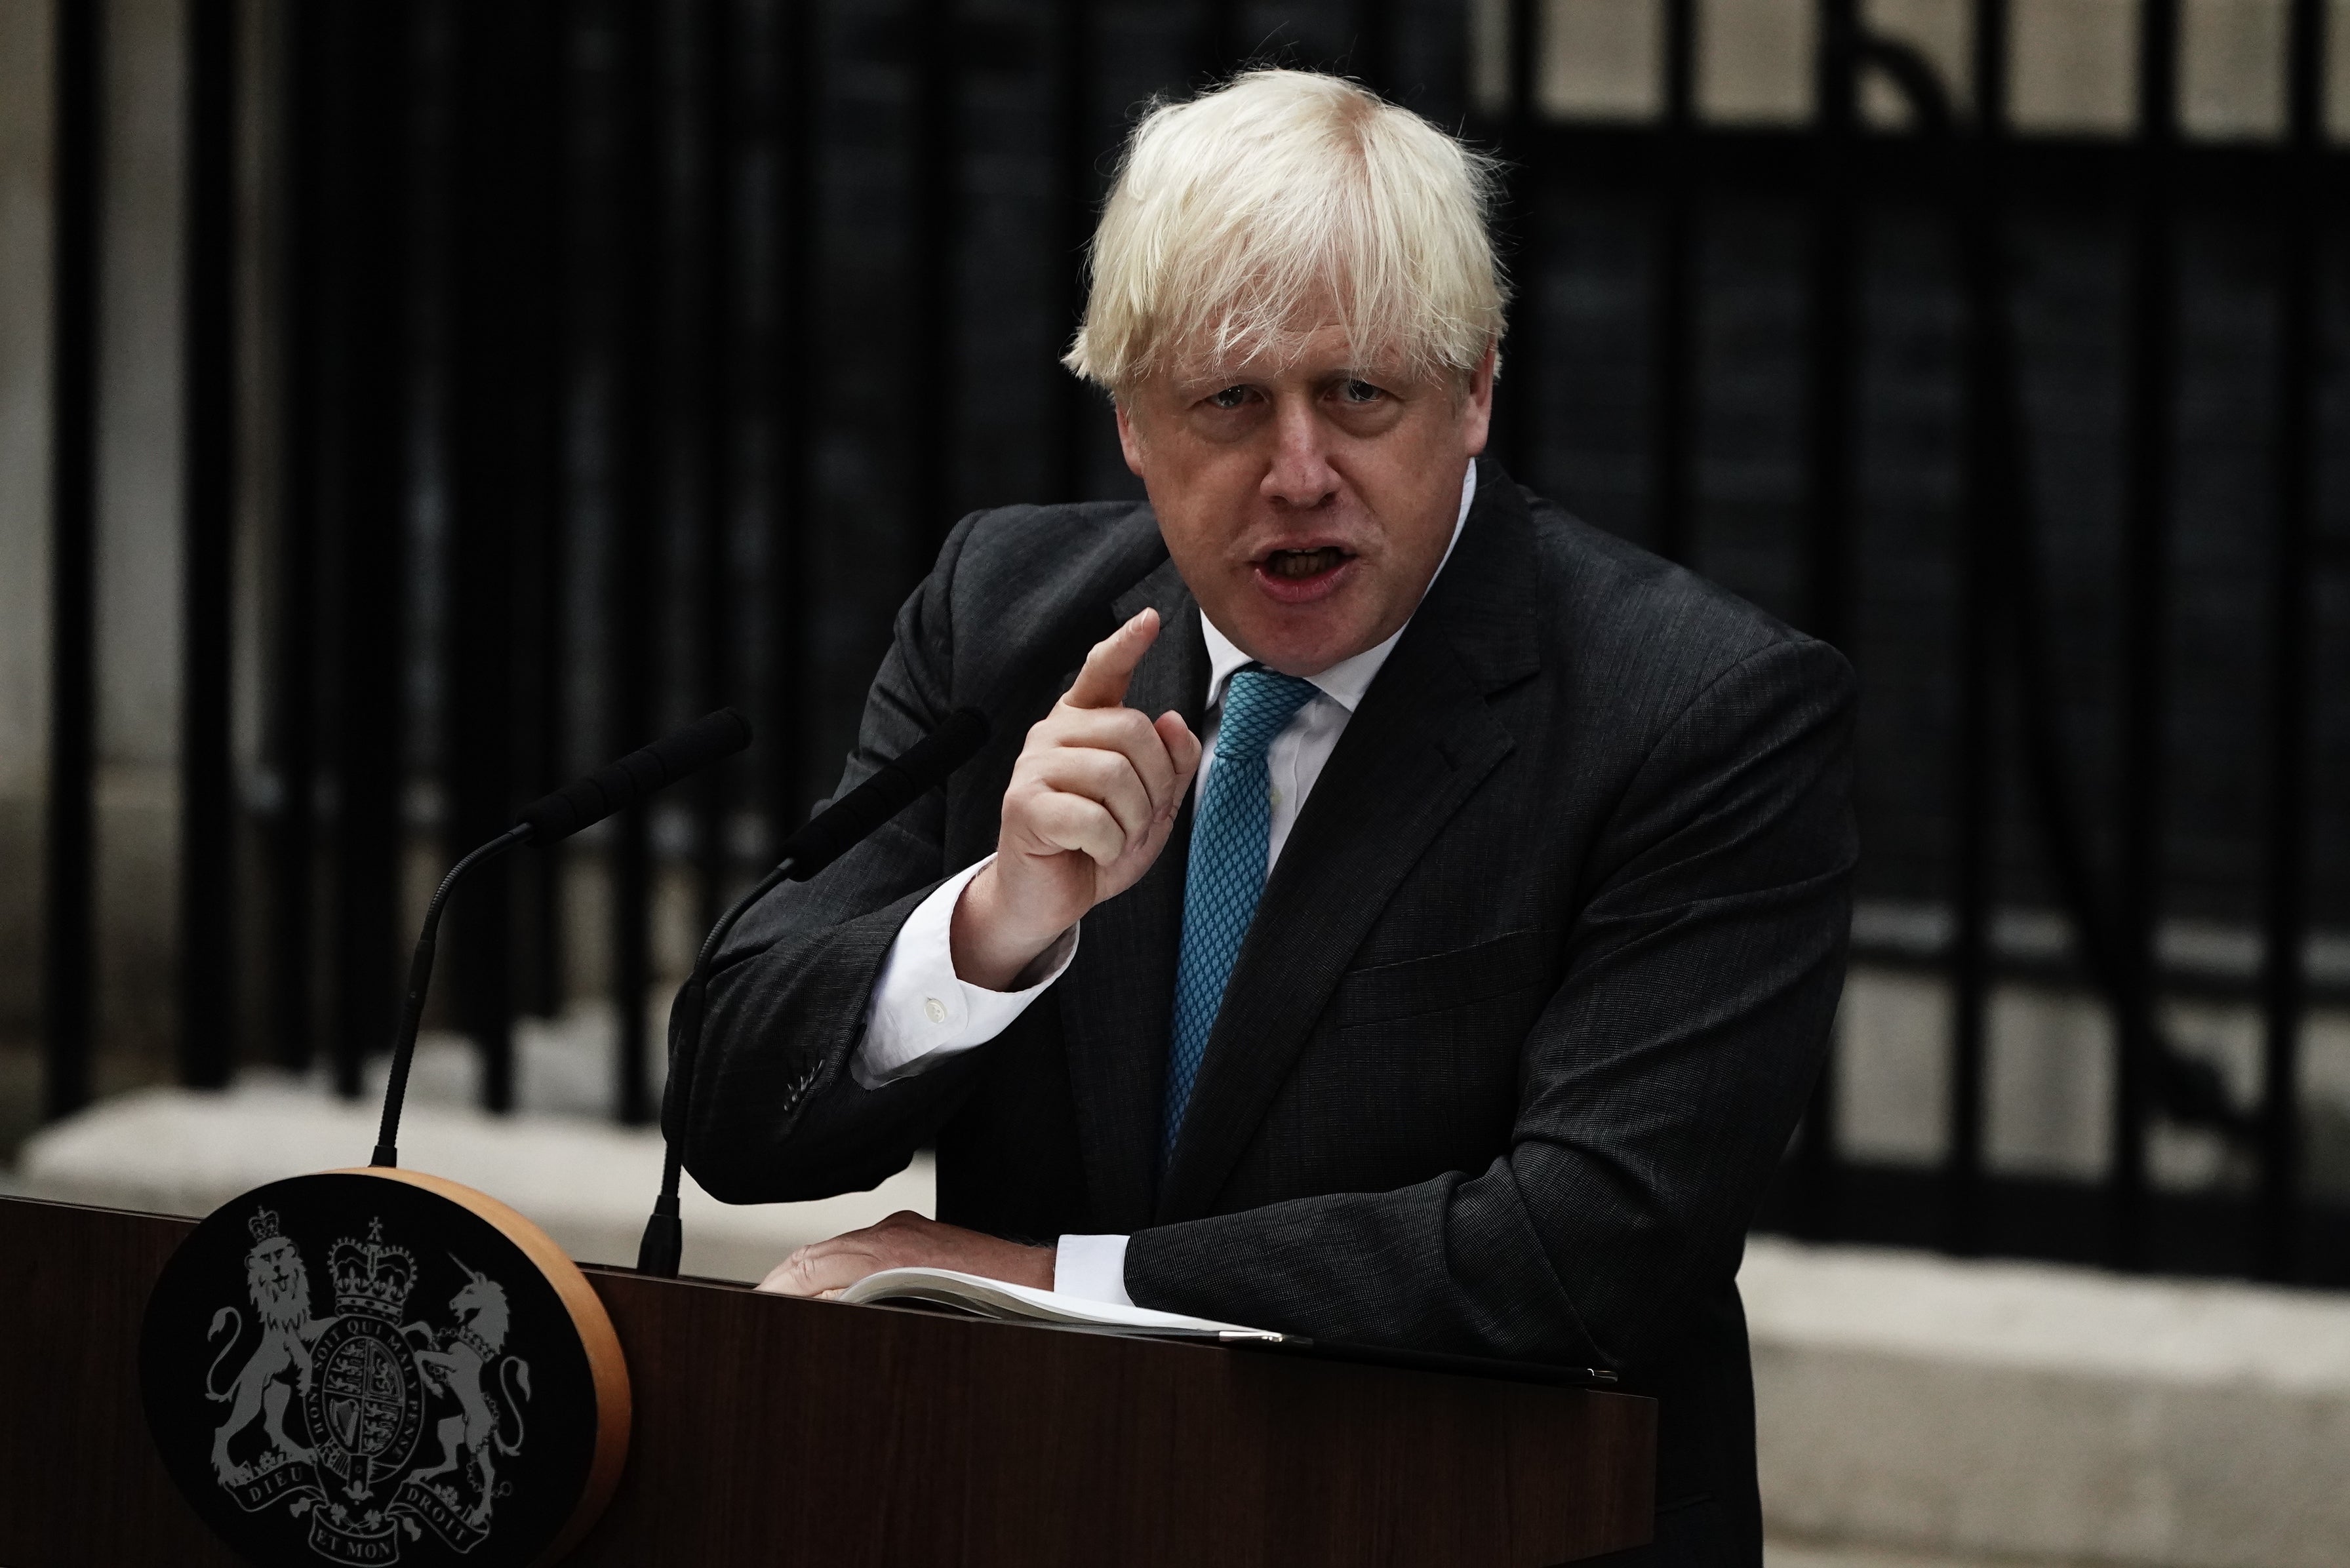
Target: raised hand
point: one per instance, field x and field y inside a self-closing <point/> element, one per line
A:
<point x="1092" y="800"/>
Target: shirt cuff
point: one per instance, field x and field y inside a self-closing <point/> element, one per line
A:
<point x="1092" y="1267"/>
<point x="922" y="1011"/>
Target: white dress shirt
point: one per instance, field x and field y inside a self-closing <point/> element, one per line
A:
<point x="923" y="1012"/>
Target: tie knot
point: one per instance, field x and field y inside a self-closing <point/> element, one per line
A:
<point x="1258" y="703"/>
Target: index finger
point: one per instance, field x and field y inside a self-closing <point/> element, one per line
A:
<point x="1111" y="665"/>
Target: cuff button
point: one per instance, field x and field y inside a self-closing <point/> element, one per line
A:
<point x="935" y="1011"/>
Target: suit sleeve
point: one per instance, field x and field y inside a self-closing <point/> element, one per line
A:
<point x="774" y="1112"/>
<point x="1658" y="1086"/>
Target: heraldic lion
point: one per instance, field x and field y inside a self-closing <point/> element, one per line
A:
<point x="278" y="1284"/>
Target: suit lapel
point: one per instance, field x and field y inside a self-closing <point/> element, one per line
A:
<point x="1118" y="999"/>
<point x="1419" y="744"/>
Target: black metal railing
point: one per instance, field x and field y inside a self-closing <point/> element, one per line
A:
<point x="2112" y="886"/>
<point x="638" y="353"/>
<point x="68" y="840"/>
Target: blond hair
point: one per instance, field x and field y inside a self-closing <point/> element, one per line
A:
<point x="1280" y="192"/>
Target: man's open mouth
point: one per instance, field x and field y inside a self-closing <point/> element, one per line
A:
<point x="1296" y="564"/>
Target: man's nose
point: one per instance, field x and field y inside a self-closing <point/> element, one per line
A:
<point x="1300" y="474"/>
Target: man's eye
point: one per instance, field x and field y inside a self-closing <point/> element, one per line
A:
<point x="1230" y="398"/>
<point x="1358" y="391"/>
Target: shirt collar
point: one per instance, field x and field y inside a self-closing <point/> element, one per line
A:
<point x="1345" y="681"/>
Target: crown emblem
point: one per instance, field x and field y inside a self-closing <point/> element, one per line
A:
<point x="262" y="1224"/>
<point x="372" y="1276"/>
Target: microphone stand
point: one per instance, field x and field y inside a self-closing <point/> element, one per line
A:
<point x="663" y="1246"/>
<point x="419" y="980"/>
<point x="552" y="818"/>
<point x="844" y="824"/>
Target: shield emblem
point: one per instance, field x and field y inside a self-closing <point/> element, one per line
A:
<point x="343" y="1415"/>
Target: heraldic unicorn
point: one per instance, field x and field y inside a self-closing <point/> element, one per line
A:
<point x="327" y="1416"/>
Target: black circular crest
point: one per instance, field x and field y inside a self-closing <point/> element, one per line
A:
<point x="347" y="1369"/>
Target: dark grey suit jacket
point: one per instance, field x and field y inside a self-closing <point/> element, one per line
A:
<point x="1528" y="1012"/>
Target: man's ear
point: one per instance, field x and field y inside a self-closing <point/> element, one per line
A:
<point x="1128" y="441"/>
<point x="1477" y="400"/>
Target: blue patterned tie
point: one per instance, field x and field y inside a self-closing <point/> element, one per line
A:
<point x="1231" y="833"/>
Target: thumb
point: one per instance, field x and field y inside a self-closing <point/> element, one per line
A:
<point x="1111" y="665"/>
<point x="1182" y="747"/>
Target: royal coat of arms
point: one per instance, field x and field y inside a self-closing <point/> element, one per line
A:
<point x="375" y="1424"/>
<point x="374" y="1366"/>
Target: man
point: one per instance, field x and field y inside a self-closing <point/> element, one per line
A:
<point x="1389" y="909"/>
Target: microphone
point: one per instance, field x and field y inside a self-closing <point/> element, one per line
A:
<point x="614" y="787"/>
<point x="836" y="830"/>
<point x="618" y="785"/>
<point x="896" y="785"/>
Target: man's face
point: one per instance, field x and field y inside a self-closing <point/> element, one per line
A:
<point x="1307" y="505"/>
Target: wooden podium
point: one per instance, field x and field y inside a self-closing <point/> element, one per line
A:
<point x="774" y="1431"/>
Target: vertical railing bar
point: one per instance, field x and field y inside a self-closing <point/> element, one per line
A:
<point x="373" y="113"/>
<point x="294" y="685"/>
<point x="1224" y="48"/>
<point x="1374" y="57"/>
<point x="795" y="410"/>
<point x="2285" y="911"/>
<point x="69" y="863"/>
<point x="494" y="93"/>
<point x="716" y="323"/>
<point x="1079" y="405"/>
<point x="1673" y="291"/>
<point x="933" y="190"/>
<point x="1519" y="396"/>
<point x="1830" y="380"/>
<point x="2145" y="566"/>
<point x="208" y="413"/>
<point x="473" y="568"/>
<point x="1977" y="215"/>
<point x="629" y="563"/>
<point x="1828" y="474"/>
<point x="549" y="562"/>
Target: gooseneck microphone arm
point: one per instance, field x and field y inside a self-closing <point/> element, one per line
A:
<point x="838" y="829"/>
<point x="550" y="818"/>
<point x="420" y="980"/>
<point x="662" y="1247"/>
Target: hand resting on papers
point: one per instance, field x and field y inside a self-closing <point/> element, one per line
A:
<point x="906" y="1239"/>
